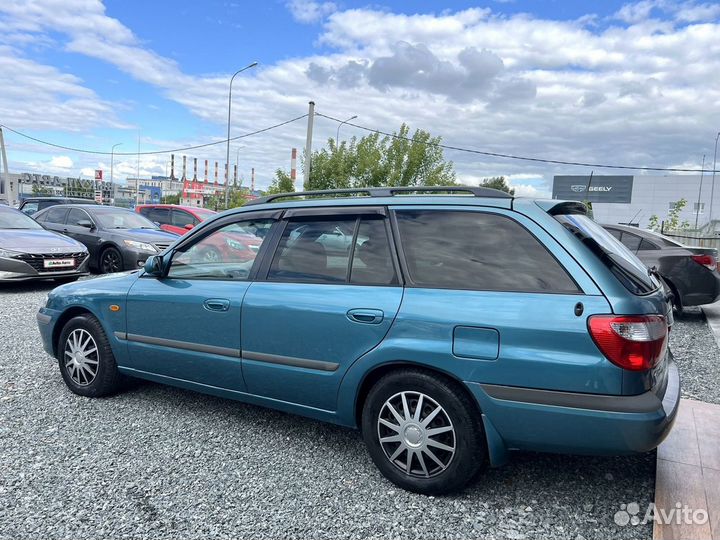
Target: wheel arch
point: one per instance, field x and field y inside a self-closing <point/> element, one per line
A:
<point x="67" y="315"/>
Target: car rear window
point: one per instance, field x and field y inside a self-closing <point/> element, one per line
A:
<point x="624" y="265"/>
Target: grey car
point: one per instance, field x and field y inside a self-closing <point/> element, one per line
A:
<point x="27" y="251"/>
<point x="690" y="272"/>
<point x="117" y="238"/>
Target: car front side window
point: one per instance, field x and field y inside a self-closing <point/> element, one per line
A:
<point x="227" y="253"/>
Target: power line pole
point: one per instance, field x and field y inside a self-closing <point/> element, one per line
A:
<point x="137" y="179"/>
<point x="308" y="144"/>
<point x="697" y="210"/>
<point x="712" y="189"/>
<point x="6" y="175"/>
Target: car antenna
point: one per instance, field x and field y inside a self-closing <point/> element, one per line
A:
<point x="633" y="218"/>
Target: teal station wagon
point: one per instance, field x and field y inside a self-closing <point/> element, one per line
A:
<point x="450" y="325"/>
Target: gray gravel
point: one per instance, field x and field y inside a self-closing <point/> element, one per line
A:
<point x="166" y="463"/>
<point x="697" y="355"/>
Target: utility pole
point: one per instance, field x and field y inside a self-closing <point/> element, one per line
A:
<point x="137" y="176"/>
<point x="712" y="189"/>
<point x="308" y="144"/>
<point x="6" y="175"/>
<point x="337" y="135"/>
<point x="112" y="163"/>
<point x="697" y="210"/>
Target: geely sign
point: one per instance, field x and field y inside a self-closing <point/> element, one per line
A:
<point x="604" y="189"/>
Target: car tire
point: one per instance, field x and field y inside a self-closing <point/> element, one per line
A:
<point x="86" y="372"/>
<point x="110" y="261"/>
<point x="211" y="255"/>
<point x="458" y="449"/>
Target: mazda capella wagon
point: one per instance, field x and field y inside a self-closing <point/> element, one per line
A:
<point x="449" y="329"/>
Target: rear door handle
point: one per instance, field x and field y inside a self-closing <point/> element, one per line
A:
<point x="216" y="304"/>
<point x="366" y="316"/>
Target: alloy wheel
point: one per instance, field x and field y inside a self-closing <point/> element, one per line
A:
<point x="416" y="434"/>
<point x="110" y="262"/>
<point x="81" y="357"/>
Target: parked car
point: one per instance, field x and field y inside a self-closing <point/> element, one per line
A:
<point x="32" y="205"/>
<point x="27" y="251"/>
<point x="452" y="330"/>
<point x="174" y="218"/>
<point x="117" y="238"/>
<point x="691" y="273"/>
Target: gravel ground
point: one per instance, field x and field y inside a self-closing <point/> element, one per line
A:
<point x="697" y="355"/>
<point x="167" y="463"/>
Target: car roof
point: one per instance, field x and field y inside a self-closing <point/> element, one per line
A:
<point x="178" y="206"/>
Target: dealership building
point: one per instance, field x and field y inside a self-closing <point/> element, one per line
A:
<point x="633" y="199"/>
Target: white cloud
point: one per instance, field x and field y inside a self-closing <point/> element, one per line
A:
<point x="61" y="162"/>
<point x="307" y="11"/>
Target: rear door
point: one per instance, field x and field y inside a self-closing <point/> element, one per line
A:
<point x="55" y="218"/>
<point x="328" y="295"/>
<point x="181" y="221"/>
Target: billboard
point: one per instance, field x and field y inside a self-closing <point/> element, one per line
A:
<point x="152" y="194"/>
<point x="601" y="189"/>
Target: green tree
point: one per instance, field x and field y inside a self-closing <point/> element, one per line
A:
<point x="171" y="199"/>
<point x="673" y="219"/>
<point x="498" y="182"/>
<point x="375" y="160"/>
<point x="282" y="183"/>
<point x="37" y="189"/>
<point x="654" y="223"/>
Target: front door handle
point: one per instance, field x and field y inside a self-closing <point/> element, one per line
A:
<point x="366" y="316"/>
<point x="216" y="304"/>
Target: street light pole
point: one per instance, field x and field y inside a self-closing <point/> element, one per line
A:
<point x="712" y="189"/>
<point x="227" y="160"/>
<point x="112" y="164"/>
<point x="337" y="136"/>
<point x="702" y="173"/>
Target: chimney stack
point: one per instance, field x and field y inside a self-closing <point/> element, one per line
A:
<point x="293" y="165"/>
<point x="216" y="171"/>
<point x="184" y="176"/>
<point x="206" y="170"/>
<point x="252" y="180"/>
<point x="172" y="166"/>
<point x="194" y="169"/>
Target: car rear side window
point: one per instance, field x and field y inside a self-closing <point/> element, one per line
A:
<point x="479" y="251"/>
<point x="321" y="251"/>
<point x="181" y="218"/>
<point x="56" y="214"/>
<point x="76" y="215"/>
<point x="160" y="215"/>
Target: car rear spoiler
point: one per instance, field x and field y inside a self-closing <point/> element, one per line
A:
<point x="562" y="208"/>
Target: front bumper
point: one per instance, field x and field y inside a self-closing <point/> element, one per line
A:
<point x="570" y="423"/>
<point x="12" y="270"/>
<point x="134" y="258"/>
<point x="46" y="319"/>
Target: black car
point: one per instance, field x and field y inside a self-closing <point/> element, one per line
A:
<point x="27" y="251"/>
<point x="31" y="205"/>
<point x="117" y="238"/>
<point x="691" y="273"/>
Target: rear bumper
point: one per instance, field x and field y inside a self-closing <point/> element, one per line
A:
<point x="703" y="291"/>
<point x="564" y="422"/>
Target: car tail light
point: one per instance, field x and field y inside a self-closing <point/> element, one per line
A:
<point x="633" y="342"/>
<point x="708" y="261"/>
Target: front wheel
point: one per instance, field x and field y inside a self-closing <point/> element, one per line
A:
<point x="423" y="432"/>
<point x="87" y="364"/>
<point x="110" y="261"/>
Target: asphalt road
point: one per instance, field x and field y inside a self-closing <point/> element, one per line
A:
<point x="161" y="462"/>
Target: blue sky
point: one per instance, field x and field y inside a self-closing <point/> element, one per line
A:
<point x="611" y="81"/>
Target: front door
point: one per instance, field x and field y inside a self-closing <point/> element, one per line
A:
<point x="323" y="303"/>
<point x="186" y="325"/>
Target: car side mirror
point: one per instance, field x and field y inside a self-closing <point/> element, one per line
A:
<point x="154" y="266"/>
<point x="189" y="226"/>
<point x="85" y="223"/>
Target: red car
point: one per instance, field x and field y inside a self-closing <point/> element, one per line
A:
<point x="174" y="218"/>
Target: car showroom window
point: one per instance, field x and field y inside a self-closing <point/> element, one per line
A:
<point x="227" y="253"/>
<point x="477" y="250"/>
<point x="314" y="251"/>
<point x="372" y="259"/>
<point x="56" y="214"/>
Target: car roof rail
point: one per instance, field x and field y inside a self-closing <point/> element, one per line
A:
<point x="384" y="192"/>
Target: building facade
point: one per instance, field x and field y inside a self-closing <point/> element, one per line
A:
<point x="634" y="199"/>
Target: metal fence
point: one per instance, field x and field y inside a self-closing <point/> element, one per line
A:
<point x="694" y="238"/>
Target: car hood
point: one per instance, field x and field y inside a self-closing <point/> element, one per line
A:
<point x="37" y="241"/>
<point x="144" y="235"/>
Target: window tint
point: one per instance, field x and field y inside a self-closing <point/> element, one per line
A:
<point x="181" y="218"/>
<point x="30" y="208"/>
<point x="227" y="253"/>
<point x="646" y="245"/>
<point x="76" y="215"/>
<point x="631" y="241"/>
<point x="617" y="234"/>
<point x="145" y="211"/>
<point x="48" y="204"/>
<point x="372" y="259"/>
<point x="477" y="250"/>
<point x="315" y="251"/>
<point x="161" y="215"/>
<point x="56" y="215"/>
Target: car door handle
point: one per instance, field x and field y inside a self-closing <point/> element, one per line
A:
<point x="366" y="316"/>
<point x="216" y="304"/>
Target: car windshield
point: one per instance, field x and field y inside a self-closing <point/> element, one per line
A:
<point x="626" y="267"/>
<point x="122" y="219"/>
<point x="12" y="219"/>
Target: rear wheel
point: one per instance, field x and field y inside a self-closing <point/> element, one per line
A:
<point x="86" y="360"/>
<point x="110" y="261"/>
<point x="423" y="432"/>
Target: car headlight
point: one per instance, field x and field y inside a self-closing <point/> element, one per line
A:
<point x="7" y="253"/>
<point x="234" y="244"/>
<point x="140" y="246"/>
